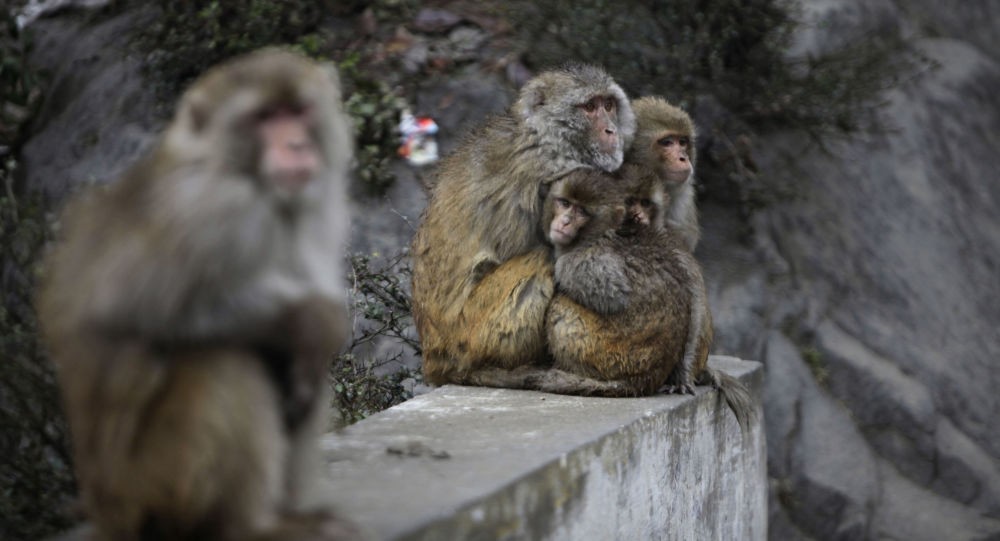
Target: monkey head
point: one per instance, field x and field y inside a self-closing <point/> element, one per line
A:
<point x="582" y="205"/>
<point x="581" y="113"/>
<point x="665" y="141"/>
<point x="645" y="200"/>
<point x="285" y="103"/>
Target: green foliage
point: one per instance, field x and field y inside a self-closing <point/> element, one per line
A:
<point x="814" y="359"/>
<point x="364" y="385"/>
<point x="19" y="86"/>
<point x="375" y="111"/>
<point x="361" y="387"/>
<point x="732" y="49"/>
<point x="189" y="37"/>
<point x="35" y="477"/>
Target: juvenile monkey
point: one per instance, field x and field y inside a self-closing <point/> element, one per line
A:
<point x="665" y="145"/>
<point x="630" y="314"/>
<point x="192" y="307"/>
<point x="625" y="288"/>
<point x="482" y="276"/>
<point x="630" y="310"/>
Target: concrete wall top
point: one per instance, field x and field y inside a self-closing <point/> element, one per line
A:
<point x="481" y="463"/>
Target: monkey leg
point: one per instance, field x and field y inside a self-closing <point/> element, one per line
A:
<point x="634" y="359"/>
<point x="501" y="324"/>
<point x="210" y="461"/>
<point x="548" y="380"/>
<point x="562" y="382"/>
<point x="298" y="350"/>
<point x="504" y="317"/>
<point x="507" y="378"/>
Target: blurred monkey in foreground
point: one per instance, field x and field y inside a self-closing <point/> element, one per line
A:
<point x="193" y="306"/>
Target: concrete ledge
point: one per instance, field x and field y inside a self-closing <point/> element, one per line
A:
<point x="478" y="463"/>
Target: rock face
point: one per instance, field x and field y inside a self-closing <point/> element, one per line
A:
<point x="876" y="299"/>
<point x="872" y="298"/>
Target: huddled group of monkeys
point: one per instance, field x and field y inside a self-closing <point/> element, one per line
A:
<point x="555" y="251"/>
<point x="192" y="307"/>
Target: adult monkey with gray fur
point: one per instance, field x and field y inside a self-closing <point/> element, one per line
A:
<point x="482" y="277"/>
<point x="193" y="306"/>
<point x="665" y="145"/>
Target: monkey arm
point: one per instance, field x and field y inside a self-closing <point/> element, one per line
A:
<point x="298" y="348"/>
<point x="594" y="278"/>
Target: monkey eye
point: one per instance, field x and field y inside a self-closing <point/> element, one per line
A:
<point x="590" y="106"/>
<point x="685" y="141"/>
<point x="646" y="203"/>
<point x="562" y="203"/>
<point x="609" y="104"/>
<point x="264" y="113"/>
<point x="629" y="201"/>
<point x="666" y="141"/>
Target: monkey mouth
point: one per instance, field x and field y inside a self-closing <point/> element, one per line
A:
<point x="559" y="237"/>
<point x="291" y="182"/>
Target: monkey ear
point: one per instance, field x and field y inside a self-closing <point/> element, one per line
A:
<point x="533" y="96"/>
<point x="331" y="72"/>
<point x="543" y="190"/>
<point x="196" y="112"/>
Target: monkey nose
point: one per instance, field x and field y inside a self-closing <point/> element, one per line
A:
<point x="609" y="131"/>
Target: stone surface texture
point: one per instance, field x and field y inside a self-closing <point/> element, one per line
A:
<point x="478" y="463"/>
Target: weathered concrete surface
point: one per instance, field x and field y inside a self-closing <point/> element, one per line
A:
<point x="478" y="463"/>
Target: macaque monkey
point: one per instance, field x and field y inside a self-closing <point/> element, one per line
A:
<point x="192" y="307"/>
<point x="482" y="275"/>
<point x="630" y="311"/>
<point x="665" y="144"/>
<point x="624" y="289"/>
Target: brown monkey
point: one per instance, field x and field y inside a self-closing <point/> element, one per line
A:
<point x="630" y="315"/>
<point x="665" y="144"/>
<point x="621" y="312"/>
<point x="482" y="277"/>
<point x="193" y="305"/>
<point x="630" y="311"/>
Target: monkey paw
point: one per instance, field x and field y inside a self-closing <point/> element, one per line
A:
<point x="678" y="388"/>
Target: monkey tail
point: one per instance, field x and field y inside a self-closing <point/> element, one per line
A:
<point x="736" y="394"/>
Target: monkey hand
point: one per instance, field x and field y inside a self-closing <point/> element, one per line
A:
<point x="680" y="381"/>
<point x="677" y="389"/>
<point x="485" y="264"/>
<point x="298" y="351"/>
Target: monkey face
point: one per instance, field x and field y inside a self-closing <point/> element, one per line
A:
<point x="639" y="211"/>
<point x="290" y="158"/>
<point x="601" y="113"/>
<point x="568" y="220"/>
<point x="673" y="154"/>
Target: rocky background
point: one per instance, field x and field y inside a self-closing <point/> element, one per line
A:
<point x="863" y="270"/>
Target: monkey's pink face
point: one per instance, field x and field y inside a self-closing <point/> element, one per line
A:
<point x="639" y="211"/>
<point x="602" y="114"/>
<point x="674" y="152"/>
<point x="566" y="223"/>
<point x="290" y="156"/>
